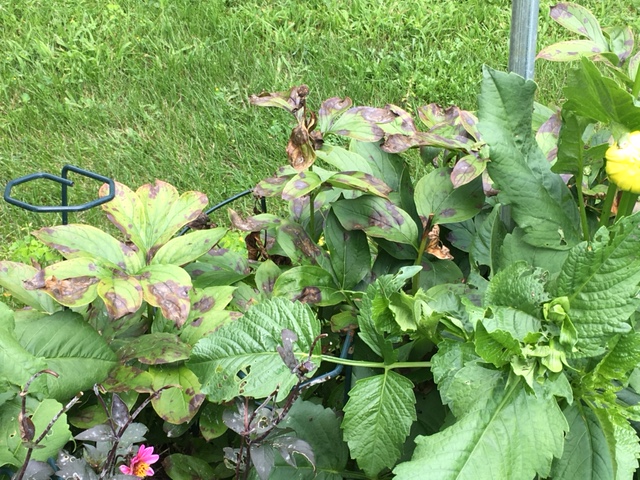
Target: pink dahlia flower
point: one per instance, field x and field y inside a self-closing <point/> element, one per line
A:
<point x="140" y="464"/>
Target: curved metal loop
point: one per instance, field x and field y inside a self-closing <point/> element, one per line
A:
<point x="64" y="182"/>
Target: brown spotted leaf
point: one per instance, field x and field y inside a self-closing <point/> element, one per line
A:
<point x="330" y="110"/>
<point x="300" y="150"/>
<point x="121" y="295"/>
<point x="300" y="185"/>
<point x="187" y="248"/>
<point x="126" y="212"/>
<point x="155" y="349"/>
<point x="126" y="377"/>
<point x="400" y="143"/>
<point x="363" y="123"/>
<point x="167" y="287"/>
<point x="580" y="20"/>
<point x="273" y="186"/>
<point x="177" y="404"/>
<point x="206" y="324"/>
<point x="13" y="276"/>
<point x="570" y="50"/>
<point x="466" y="169"/>
<point x="435" y="246"/>
<point x="308" y="284"/>
<point x="360" y="181"/>
<point x="254" y="223"/>
<point x="291" y="101"/>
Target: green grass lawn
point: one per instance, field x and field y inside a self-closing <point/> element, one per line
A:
<point x="145" y="89"/>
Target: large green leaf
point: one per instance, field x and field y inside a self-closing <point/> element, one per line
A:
<point x="594" y="96"/>
<point x="600" y="279"/>
<point x="12" y="277"/>
<point x="541" y="203"/>
<point x="435" y="195"/>
<point x="301" y="184"/>
<point x="249" y="346"/>
<point x="16" y="364"/>
<point x="180" y="402"/>
<point x="74" y="241"/>
<point x="502" y="430"/>
<point x="377" y="217"/>
<point x="350" y="255"/>
<point x="186" y="467"/>
<point x="600" y="444"/>
<point x="320" y="428"/>
<point x="308" y="284"/>
<point x="387" y="167"/>
<point x="41" y="414"/>
<point x="121" y="295"/>
<point x="167" y="287"/>
<point x="186" y="248"/>
<point x="155" y="349"/>
<point x="359" y="181"/>
<point x="344" y="160"/>
<point x="377" y="420"/>
<point x="71" y="348"/>
<point x="519" y="286"/>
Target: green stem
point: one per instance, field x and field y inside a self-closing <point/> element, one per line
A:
<point x="423" y="246"/>
<point x="627" y="202"/>
<point x="605" y="214"/>
<point x="362" y="363"/>
<point x="583" y="208"/>
<point x="312" y="211"/>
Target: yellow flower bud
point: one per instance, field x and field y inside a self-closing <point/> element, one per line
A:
<point x="623" y="163"/>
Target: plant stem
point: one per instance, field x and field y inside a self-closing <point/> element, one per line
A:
<point x="361" y="363"/>
<point x="605" y="214"/>
<point x="423" y="245"/>
<point x="625" y="207"/>
<point x="582" y="206"/>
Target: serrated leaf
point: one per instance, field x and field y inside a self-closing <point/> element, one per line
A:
<point x="308" y="284"/>
<point x="481" y="444"/>
<point x="377" y="420"/>
<point x="623" y="356"/>
<point x="155" y="349"/>
<point x="600" y="279"/>
<point x="350" y="255"/>
<point x="541" y="203"/>
<point x="519" y="286"/>
<point x="435" y="195"/>
<point x="12" y="278"/>
<point x="249" y="346"/>
<point x="377" y="217"/>
<point x="71" y="348"/>
<point x="85" y="241"/>
<point x="176" y="404"/>
<point x="497" y="347"/>
<point x="187" y="248"/>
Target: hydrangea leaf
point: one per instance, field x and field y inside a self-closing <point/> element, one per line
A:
<point x="377" y="420"/>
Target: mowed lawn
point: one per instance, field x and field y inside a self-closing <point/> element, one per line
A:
<point x="144" y="89"/>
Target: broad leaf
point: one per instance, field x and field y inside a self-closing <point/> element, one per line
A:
<point x="155" y="349"/>
<point x="600" y="279"/>
<point x="541" y="203"/>
<point x="435" y="195"/>
<point x="308" y="284"/>
<point x="186" y="467"/>
<point x="519" y="286"/>
<point x="266" y="276"/>
<point x="570" y="50"/>
<point x="210" y="421"/>
<point x="167" y="287"/>
<point x="121" y="295"/>
<point x="385" y="166"/>
<point x="72" y="349"/>
<point x="359" y="181"/>
<point x="377" y="217"/>
<point x="350" y="255"/>
<point x="241" y="358"/>
<point x="579" y="20"/>
<point x="377" y="419"/>
<point x="344" y="160"/>
<point x="300" y="185"/>
<point x="187" y="248"/>
<point x="12" y="277"/>
<point x="180" y="402"/>
<point x="74" y="241"/>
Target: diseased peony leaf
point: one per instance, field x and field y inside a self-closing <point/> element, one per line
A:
<point x="570" y="50"/>
<point x="167" y="287"/>
<point x="300" y="185"/>
<point x="248" y="346"/>
<point x="377" y="420"/>
<point x="308" y="284"/>
<point x="600" y="279"/>
<point x="155" y="349"/>
<point x="360" y="181"/>
<point x="180" y="402"/>
<point x="12" y="278"/>
<point x="121" y="295"/>
<point x="580" y="20"/>
<point x="187" y="248"/>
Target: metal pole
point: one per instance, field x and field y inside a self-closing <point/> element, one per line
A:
<point x="524" y="32"/>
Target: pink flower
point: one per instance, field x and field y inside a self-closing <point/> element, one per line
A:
<point x="140" y="464"/>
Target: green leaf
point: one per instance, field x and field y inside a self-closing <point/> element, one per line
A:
<point x="377" y="420"/>
<point x="320" y="428"/>
<point x="41" y="414"/>
<point x="203" y="325"/>
<point x="481" y="444"/>
<point x="166" y="212"/>
<point x="367" y="124"/>
<point x="71" y="348"/>
<point x="218" y="267"/>
<point x="588" y="447"/>
<point x="17" y="365"/>
<point x="359" y="181"/>
<point x="248" y="345"/>
<point x="155" y="349"/>
<point x="377" y="217"/>
<point x="344" y="160"/>
<point x="579" y="20"/>
<point x="210" y="421"/>
<point x="85" y="241"/>
<point x="350" y="255"/>
<point x="186" y="467"/>
<point x="570" y="50"/>
<point x="514" y="249"/>
<point x="385" y="166"/>
<point x="570" y="144"/>
<point x="187" y="248"/>
<point x="600" y="279"/>
<point x="167" y="287"/>
<point x="308" y="284"/>
<point x="12" y="277"/>
<point x="541" y="203"/>
<point x="497" y="347"/>
<point x="435" y="194"/>
<point x="121" y="295"/>
<point x="594" y="96"/>
<point x="180" y="402"/>
<point x="519" y="286"/>
<point x="623" y="356"/>
<point x="266" y="276"/>
<point x="300" y="185"/>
